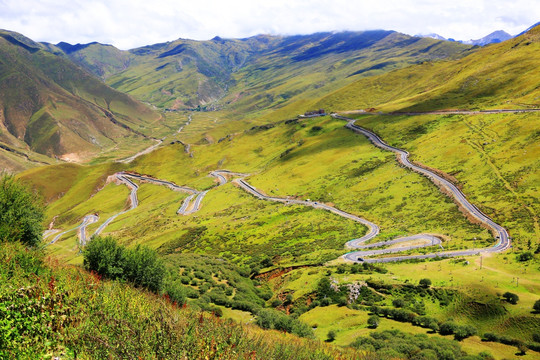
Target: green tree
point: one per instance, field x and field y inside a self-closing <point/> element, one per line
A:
<point x="331" y="336"/>
<point x="425" y="283"/>
<point x="373" y="321"/>
<point x="536" y="306"/>
<point x="143" y="267"/>
<point x="511" y="297"/>
<point x="21" y="213"/>
<point x="103" y="256"/>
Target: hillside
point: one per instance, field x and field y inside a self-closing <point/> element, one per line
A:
<point x="499" y="76"/>
<point x="54" y="108"/>
<point x="219" y="72"/>
<point x="251" y="206"/>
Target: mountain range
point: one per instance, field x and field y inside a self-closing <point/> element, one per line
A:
<point x="493" y="38"/>
<point x="75" y="102"/>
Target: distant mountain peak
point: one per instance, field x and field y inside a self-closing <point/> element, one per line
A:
<point x="431" y="36"/>
<point x="495" y="37"/>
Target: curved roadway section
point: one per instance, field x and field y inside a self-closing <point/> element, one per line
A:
<point x="503" y="239"/>
<point x="193" y="203"/>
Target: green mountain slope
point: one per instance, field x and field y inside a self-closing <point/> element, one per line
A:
<point x="498" y="76"/>
<point x="52" y="107"/>
<point x="262" y="70"/>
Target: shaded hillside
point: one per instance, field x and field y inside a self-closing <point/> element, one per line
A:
<point x="101" y="60"/>
<point x="502" y="75"/>
<point x="52" y="107"/>
<point x="219" y="72"/>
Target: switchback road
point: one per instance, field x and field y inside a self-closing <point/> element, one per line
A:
<point x="193" y="203"/>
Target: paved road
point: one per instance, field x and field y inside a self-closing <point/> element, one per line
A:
<point x="443" y="112"/>
<point x="87" y="220"/>
<point x="134" y="201"/>
<point x="502" y="237"/>
<point x="189" y="206"/>
<point x="143" y="152"/>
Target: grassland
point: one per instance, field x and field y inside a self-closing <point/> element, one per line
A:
<point x="492" y="158"/>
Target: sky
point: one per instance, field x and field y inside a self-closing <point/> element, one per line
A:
<point x="132" y="23"/>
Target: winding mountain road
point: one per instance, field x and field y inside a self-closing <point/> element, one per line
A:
<point x="502" y="237"/>
<point x="364" y="252"/>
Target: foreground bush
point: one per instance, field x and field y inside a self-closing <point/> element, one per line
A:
<point x="47" y="312"/>
<point x="21" y="213"/>
<point x="141" y="266"/>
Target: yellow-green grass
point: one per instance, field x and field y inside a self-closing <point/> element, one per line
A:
<point x="494" y="158"/>
<point x="242" y="317"/>
<point x="480" y="284"/>
<point x="498" y="76"/>
<point x="330" y="164"/>
<point x="107" y="202"/>
<point x="335" y="165"/>
<point x="234" y="229"/>
<point x="349" y="324"/>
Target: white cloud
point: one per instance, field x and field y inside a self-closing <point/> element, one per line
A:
<point x="132" y="23"/>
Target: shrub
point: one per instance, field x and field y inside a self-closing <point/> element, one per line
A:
<point x="373" y="321"/>
<point x="511" y="297"/>
<point x="525" y="256"/>
<point x="140" y="266"/>
<point x="144" y="268"/>
<point x="399" y="303"/>
<point x="462" y="332"/>
<point x="176" y="292"/>
<point x="448" y="328"/>
<point x="425" y="283"/>
<point x="21" y="213"/>
<point x="536" y="306"/>
<point x="104" y="256"/>
<point x="331" y="336"/>
<point x="271" y="319"/>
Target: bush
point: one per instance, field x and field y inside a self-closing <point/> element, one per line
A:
<point x="448" y="328"/>
<point x="373" y="321"/>
<point x="425" y="283"/>
<point x="398" y="303"/>
<point x="525" y="256"/>
<point x="144" y="268"/>
<point x="176" y="292"/>
<point x="105" y="257"/>
<point x="331" y="336"/>
<point x="511" y="297"/>
<point x="536" y="308"/>
<point x="271" y="319"/>
<point x="463" y="332"/>
<point x="21" y="213"/>
<point x="140" y="266"/>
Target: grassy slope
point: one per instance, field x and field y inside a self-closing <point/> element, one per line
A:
<point x="311" y="168"/>
<point x="495" y="159"/>
<point x="74" y="315"/>
<point x="53" y="107"/>
<point x="331" y="165"/>
<point x="252" y="74"/>
<point x="497" y="76"/>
